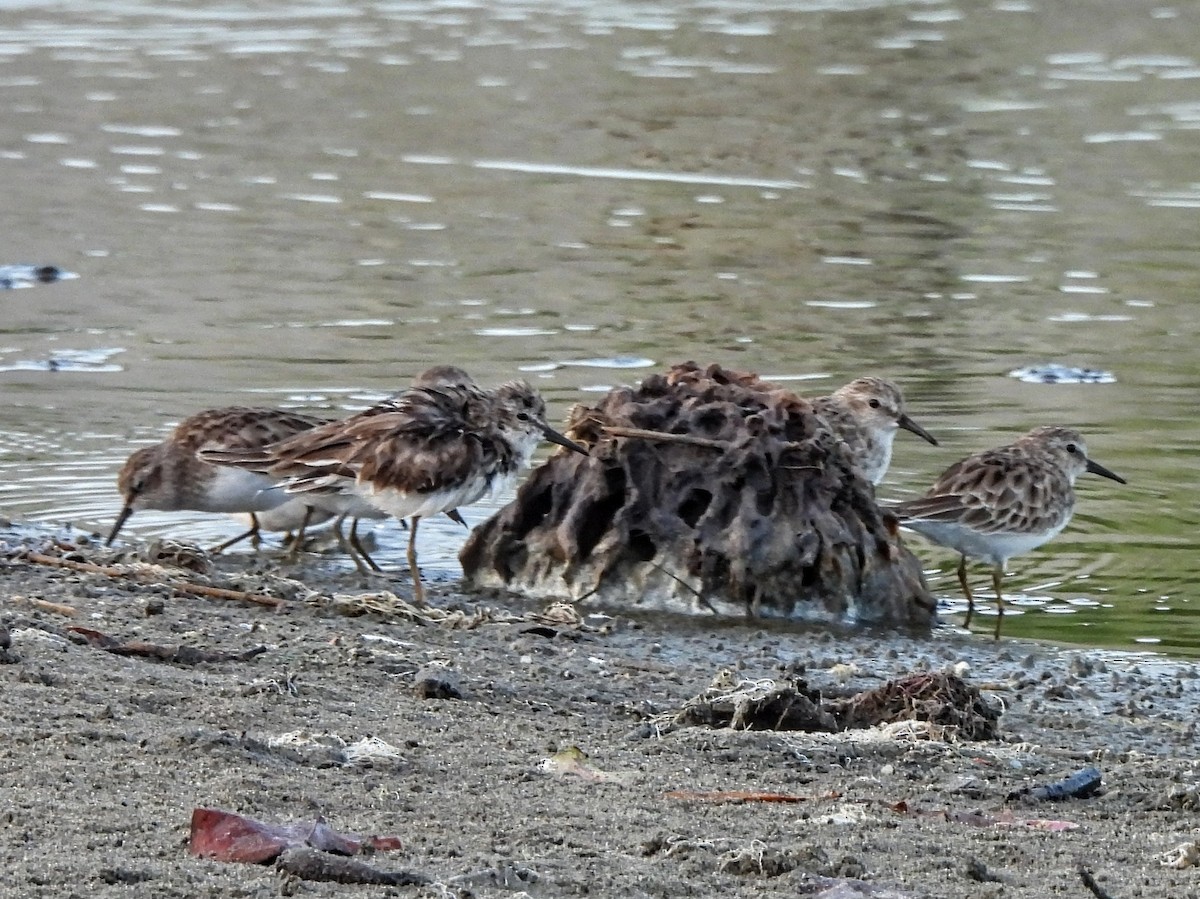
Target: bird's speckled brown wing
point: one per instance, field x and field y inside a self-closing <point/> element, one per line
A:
<point x="241" y="428"/>
<point x="259" y="457"/>
<point x="841" y="420"/>
<point x="997" y="491"/>
<point x="424" y="440"/>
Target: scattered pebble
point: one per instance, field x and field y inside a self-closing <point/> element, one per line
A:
<point x="436" y="682"/>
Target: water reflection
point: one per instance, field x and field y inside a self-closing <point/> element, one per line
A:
<point x="308" y="205"/>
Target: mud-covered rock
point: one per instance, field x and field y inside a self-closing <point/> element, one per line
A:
<point x="704" y="489"/>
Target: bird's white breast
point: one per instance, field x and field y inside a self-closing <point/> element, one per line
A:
<point x="286" y="517"/>
<point x="995" y="548"/>
<point x="877" y="454"/>
<point x="407" y="505"/>
<point x="235" y="490"/>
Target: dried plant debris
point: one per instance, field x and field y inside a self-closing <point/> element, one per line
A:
<point x="390" y="606"/>
<point x="168" y="577"/>
<point x="739" y="796"/>
<point x="756" y="859"/>
<point x="704" y="490"/>
<point x="573" y="762"/>
<point x="557" y="618"/>
<point x="334" y="750"/>
<point x="756" y="705"/>
<point x="178" y="654"/>
<point x="944" y="700"/>
<point x="1185" y="855"/>
<point x="936" y="696"/>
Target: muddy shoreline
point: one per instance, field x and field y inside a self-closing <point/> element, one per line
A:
<point x="105" y="756"/>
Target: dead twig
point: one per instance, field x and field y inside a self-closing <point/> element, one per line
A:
<point x="699" y="596"/>
<point x="180" y="655"/>
<point x="57" y="608"/>
<point x="663" y="437"/>
<point x="134" y="574"/>
<point x="743" y="796"/>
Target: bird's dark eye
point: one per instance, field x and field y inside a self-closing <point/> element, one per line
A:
<point x="523" y="416"/>
<point x="874" y="404"/>
<point x="1072" y="448"/>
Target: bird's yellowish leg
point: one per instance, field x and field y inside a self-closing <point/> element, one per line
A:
<point x="418" y="587"/>
<point x="997" y="577"/>
<point x="252" y="534"/>
<point x="962" y="579"/>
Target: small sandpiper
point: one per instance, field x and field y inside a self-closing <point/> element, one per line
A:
<point x="428" y="449"/>
<point x="866" y="414"/>
<point x="1003" y="502"/>
<point x="169" y="476"/>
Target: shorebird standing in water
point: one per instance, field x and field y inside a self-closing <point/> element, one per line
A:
<point x="866" y="414"/>
<point x="428" y="449"/>
<point x="170" y="477"/>
<point x="1003" y="502"/>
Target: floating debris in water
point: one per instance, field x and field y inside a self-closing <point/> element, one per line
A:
<point x="1053" y="373"/>
<point x="14" y="276"/>
<point x="609" y="362"/>
<point x="69" y="360"/>
<point x="615" y="362"/>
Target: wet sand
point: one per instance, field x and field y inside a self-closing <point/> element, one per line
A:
<point x="103" y="756"/>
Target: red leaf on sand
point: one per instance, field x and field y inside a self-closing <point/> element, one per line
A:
<point x="233" y="838"/>
<point x="230" y="837"/>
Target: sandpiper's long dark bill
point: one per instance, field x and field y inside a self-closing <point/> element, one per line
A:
<point x="441" y="444"/>
<point x="122" y="517"/>
<point x="908" y="424"/>
<point x="562" y="440"/>
<point x="1003" y="502"/>
<point x="1095" y="467"/>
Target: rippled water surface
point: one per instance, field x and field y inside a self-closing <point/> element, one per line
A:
<point x="305" y="204"/>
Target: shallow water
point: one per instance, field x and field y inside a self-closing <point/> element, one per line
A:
<point x="305" y="205"/>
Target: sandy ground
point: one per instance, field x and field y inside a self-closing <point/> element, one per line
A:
<point x="103" y="757"/>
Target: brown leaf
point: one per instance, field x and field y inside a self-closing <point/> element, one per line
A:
<point x="229" y="837"/>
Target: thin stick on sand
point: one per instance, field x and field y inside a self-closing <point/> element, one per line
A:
<point x="57" y="608"/>
<point x="134" y="574"/>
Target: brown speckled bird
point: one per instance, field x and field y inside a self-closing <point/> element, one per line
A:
<point x="1003" y="502"/>
<point x="428" y="449"/>
<point x="169" y="476"/>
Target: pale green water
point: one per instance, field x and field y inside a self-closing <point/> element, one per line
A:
<point x="274" y="203"/>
